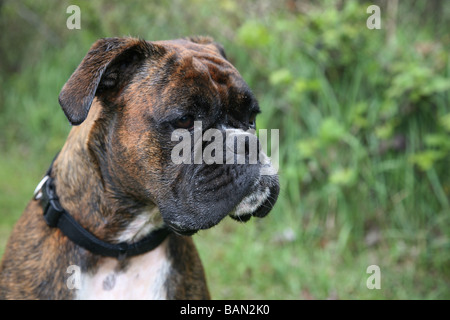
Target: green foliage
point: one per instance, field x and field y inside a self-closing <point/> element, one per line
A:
<point x="254" y="34"/>
<point x="364" y="135"/>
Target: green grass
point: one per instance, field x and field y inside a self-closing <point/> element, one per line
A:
<point x="364" y="131"/>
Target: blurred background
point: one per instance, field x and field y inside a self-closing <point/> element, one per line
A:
<point x="364" y="119"/>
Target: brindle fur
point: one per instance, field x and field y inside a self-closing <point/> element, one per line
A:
<point x="119" y="98"/>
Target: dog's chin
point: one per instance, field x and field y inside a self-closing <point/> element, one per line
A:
<point x="259" y="202"/>
<point x="180" y="229"/>
<point x="253" y="196"/>
<point x="241" y="218"/>
<point x="183" y="232"/>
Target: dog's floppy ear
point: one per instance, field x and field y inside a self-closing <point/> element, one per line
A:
<point x="94" y="74"/>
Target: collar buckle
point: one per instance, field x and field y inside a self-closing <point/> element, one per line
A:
<point x="38" y="191"/>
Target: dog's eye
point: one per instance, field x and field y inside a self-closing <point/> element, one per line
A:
<point x="252" y="120"/>
<point x="185" y="122"/>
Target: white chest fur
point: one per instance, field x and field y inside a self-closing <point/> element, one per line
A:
<point x="143" y="277"/>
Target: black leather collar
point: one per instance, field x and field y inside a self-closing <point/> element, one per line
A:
<point x="57" y="217"/>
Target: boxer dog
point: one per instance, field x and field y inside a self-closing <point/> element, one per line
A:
<point x="112" y="218"/>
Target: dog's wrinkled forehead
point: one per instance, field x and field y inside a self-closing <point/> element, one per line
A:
<point x="200" y="74"/>
<point x="161" y="75"/>
<point x="197" y="62"/>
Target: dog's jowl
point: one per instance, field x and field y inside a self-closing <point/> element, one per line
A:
<point x="113" y="203"/>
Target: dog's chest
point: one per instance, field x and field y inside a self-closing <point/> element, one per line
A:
<point x="144" y="277"/>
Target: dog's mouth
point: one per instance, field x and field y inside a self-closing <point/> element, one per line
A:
<point x="206" y="193"/>
<point x="258" y="202"/>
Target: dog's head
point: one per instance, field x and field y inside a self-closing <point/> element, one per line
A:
<point x="158" y="101"/>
